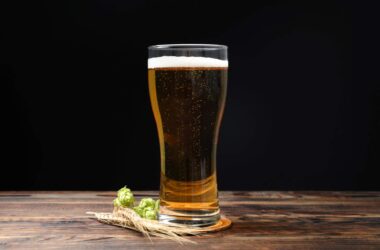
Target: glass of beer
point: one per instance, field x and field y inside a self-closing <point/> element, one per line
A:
<point x="187" y="88"/>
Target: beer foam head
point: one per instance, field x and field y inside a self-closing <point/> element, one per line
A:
<point x="186" y="62"/>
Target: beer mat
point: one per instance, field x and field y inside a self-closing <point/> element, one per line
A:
<point x="223" y="224"/>
<point x="127" y="218"/>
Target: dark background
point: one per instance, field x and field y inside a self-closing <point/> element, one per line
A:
<point x="77" y="113"/>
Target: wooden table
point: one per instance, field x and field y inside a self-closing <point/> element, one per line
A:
<point x="262" y="220"/>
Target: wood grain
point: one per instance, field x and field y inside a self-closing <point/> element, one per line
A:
<point x="262" y="220"/>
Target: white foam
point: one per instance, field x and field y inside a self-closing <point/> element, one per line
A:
<point x="186" y="62"/>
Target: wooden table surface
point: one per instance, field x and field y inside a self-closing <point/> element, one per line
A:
<point x="262" y="220"/>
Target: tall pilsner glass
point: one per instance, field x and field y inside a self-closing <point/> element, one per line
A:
<point x="187" y="87"/>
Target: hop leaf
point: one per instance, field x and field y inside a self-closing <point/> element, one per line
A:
<point x="157" y="206"/>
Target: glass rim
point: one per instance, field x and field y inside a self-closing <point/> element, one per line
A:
<point x="188" y="46"/>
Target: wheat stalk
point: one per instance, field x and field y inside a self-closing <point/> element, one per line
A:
<point x="127" y="218"/>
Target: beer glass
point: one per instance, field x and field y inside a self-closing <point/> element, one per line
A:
<point x="187" y="88"/>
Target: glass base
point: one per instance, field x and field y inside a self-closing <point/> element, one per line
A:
<point x="199" y="218"/>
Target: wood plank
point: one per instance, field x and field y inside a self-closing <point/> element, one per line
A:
<point x="270" y="220"/>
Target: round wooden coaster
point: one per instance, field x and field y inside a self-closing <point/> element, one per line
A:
<point x="222" y="224"/>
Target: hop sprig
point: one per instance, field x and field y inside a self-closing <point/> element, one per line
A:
<point x="147" y="208"/>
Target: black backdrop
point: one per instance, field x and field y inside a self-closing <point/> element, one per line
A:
<point x="77" y="112"/>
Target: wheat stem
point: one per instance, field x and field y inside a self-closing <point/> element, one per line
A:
<point x="127" y="218"/>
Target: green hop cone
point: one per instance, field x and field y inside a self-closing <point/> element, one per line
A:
<point x="150" y="214"/>
<point x="147" y="202"/>
<point x="116" y="202"/>
<point x="139" y="211"/>
<point x="124" y="198"/>
<point x="147" y="208"/>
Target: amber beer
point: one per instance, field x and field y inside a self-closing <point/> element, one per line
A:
<point x="188" y="97"/>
